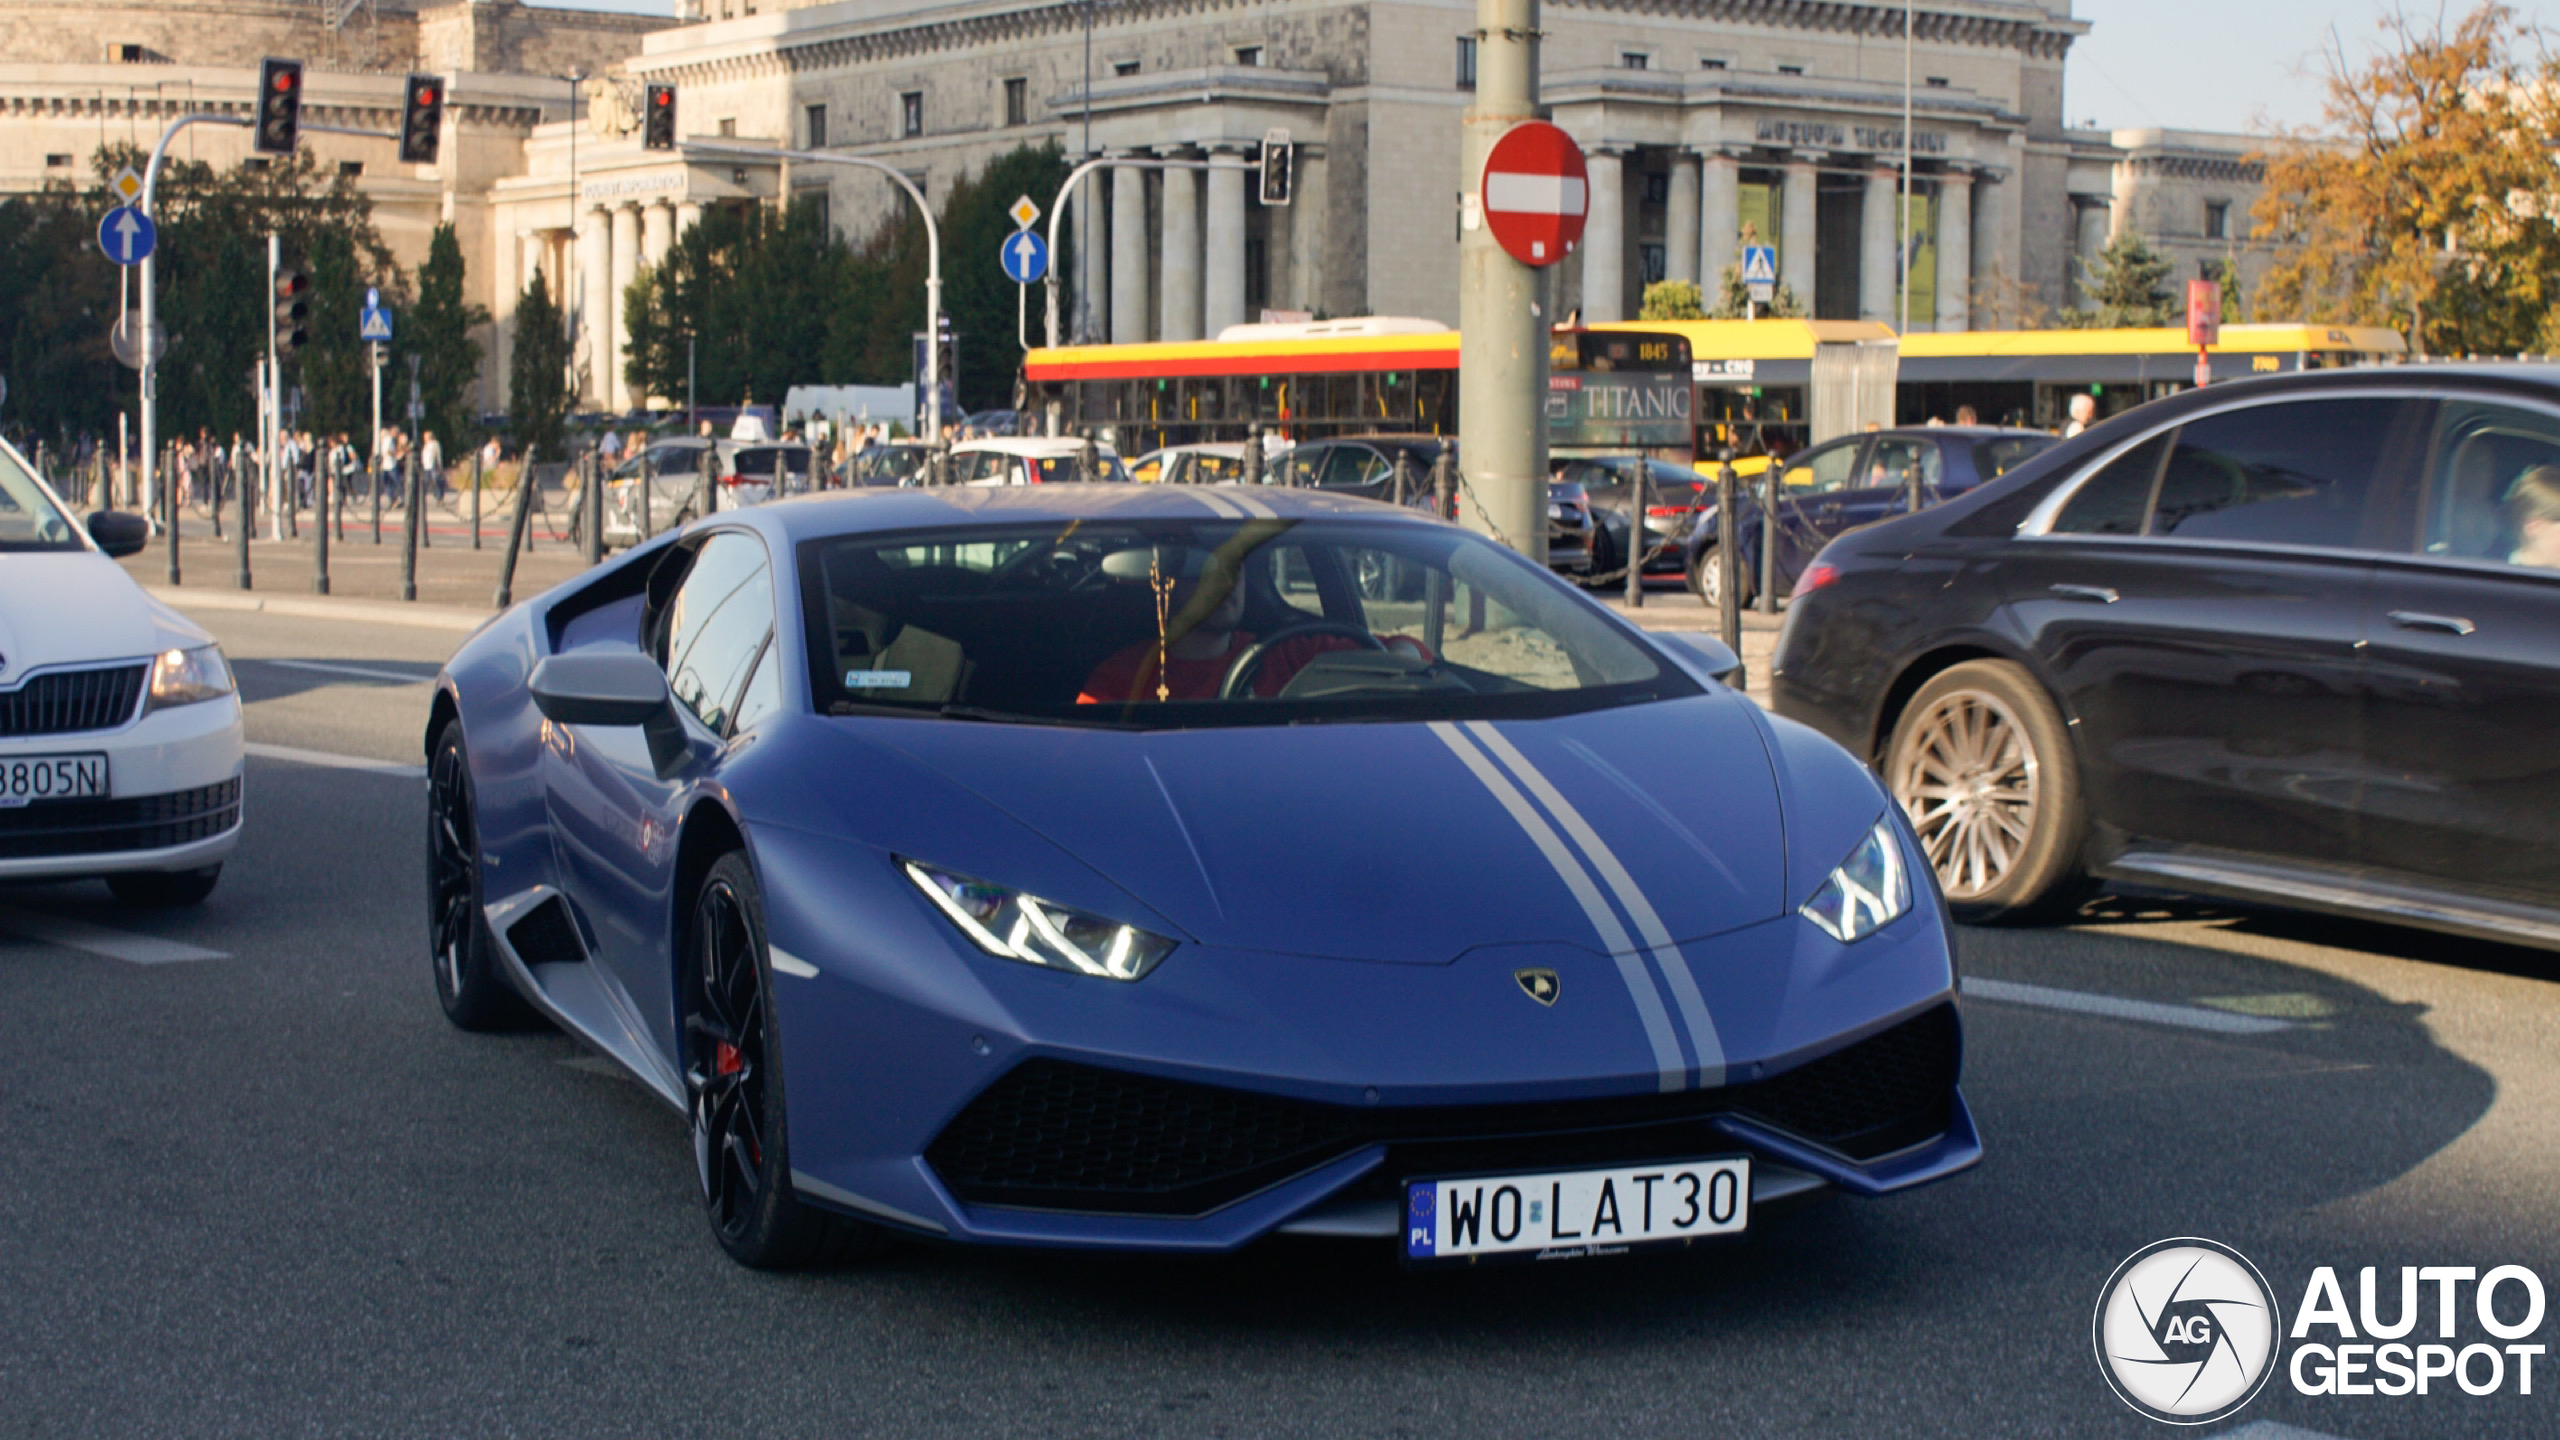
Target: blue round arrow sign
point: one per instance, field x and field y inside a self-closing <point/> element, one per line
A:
<point x="127" y="235"/>
<point x="1024" y="256"/>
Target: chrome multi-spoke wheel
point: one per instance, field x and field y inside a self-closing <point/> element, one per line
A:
<point x="1968" y="779"/>
<point x="724" y="1039"/>
<point x="1981" y="763"/>
<point x="474" y="995"/>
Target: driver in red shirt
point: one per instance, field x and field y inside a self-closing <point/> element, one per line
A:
<point x="1193" y="663"/>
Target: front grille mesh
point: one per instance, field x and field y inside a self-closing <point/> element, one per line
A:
<point x="1055" y="1135"/>
<point x="67" y="701"/>
<point x="100" y="827"/>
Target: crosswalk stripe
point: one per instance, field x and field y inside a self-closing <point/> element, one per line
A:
<point x="2116" y="1007"/>
<point x="99" y="940"/>
<point x="296" y="755"/>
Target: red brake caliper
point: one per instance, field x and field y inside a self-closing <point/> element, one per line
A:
<point x="725" y="1059"/>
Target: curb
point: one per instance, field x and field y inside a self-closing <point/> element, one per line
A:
<point x="315" y="607"/>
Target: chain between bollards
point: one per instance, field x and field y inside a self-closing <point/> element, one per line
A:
<point x="525" y="482"/>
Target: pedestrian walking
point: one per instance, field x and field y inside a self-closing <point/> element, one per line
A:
<point x="431" y="459"/>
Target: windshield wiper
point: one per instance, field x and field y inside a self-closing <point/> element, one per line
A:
<point x="1016" y="717"/>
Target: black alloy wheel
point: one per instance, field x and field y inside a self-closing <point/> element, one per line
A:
<point x="475" y="995"/>
<point x="733" y="1076"/>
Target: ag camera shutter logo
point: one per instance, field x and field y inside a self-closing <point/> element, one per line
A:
<point x="2186" y="1331"/>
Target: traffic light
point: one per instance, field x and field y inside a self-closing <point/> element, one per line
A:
<point x="422" y="120"/>
<point x="1277" y="154"/>
<point x="279" y="107"/>
<point x="293" y="311"/>
<point x="658" y="126"/>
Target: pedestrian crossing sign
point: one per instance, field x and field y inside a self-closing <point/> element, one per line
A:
<point x="1760" y="265"/>
<point x="376" y="324"/>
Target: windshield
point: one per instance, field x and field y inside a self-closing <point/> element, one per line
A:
<point x="1180" y="624"/>
<point x="29" y="520"/>
<point x="761" y="463"/>
<point x="1067" y="469"/>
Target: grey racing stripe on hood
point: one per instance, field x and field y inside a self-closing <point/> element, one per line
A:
<point x="1613" y="936"/>
<point x="1703" y="1039"/>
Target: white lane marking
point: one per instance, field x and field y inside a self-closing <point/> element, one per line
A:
<point x="1657" y="936"/>
<point x="295" y="755"/>
<point x="789" y="964"/>
<point x="99" y="940"/>
<point x="358" y="671"/>
<point x="2116" y="1007"/>
<point x="1613" y="936"/>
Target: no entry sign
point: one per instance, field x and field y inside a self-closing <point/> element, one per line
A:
<point x="1536" y="193"/>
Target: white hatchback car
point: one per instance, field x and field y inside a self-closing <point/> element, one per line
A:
<point x="1030" y="460"/>
<point x="120" y="740"/>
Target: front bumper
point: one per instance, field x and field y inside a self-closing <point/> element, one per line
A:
<point x="174" y="802"/>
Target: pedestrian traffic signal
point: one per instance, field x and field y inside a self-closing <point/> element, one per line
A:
<point x="293" y="311"/>
<point x="658" y="126"/>
<point x="279" y="107"/>
<point x="1277" y="156"/>
<point x="422" y="120"/>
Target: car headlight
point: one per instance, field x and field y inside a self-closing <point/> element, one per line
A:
<point x="1868" y="890"/>
<point x="183" y="677"/>
<point x="1011" y="925"/>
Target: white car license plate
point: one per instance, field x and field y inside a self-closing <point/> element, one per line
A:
<point x="52" y="777"/>
<point x="1571" y="1213"/>
<point x="1555" y="512"/>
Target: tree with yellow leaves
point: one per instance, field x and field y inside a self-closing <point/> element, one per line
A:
<point x="2430" y="200"/>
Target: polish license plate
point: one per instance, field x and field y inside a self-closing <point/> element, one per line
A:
<point x="1571" y="1213"/>
<point x="25" y="778"/>
<point x="1555" y="512"/>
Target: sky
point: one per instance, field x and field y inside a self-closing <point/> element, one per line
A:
<point x="2245" y="66"/>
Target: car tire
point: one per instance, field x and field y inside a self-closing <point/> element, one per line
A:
<point x="164" y="888"/>
<point x="1982" y="764"/>
<point x="733" y="1076"/>
<point x="471" y="983"/>
<point x="1706" y="579"/>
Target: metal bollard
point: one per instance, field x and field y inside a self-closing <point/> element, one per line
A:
<point x="1635" y="556"/>
<point x="591" y="499"/>
<point x="1768" y="602"/>
<point x="1088" y="463"/>
<point x="1728" y="558"/>
<point x="373" y="482"/>
<point x="506" y="595"/>
<point x="475" y="499"/>
<point x="169" y="507"/>
<point x="320" y="529"/>
<point x="1253" y="456"/>
<point x="248" y="522"/>
<point x="1444" y="483"/>
<point x="1396" y="476"/>
<point x="409" y="531"/>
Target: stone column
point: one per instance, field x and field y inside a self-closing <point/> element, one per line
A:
<point x="1795" y="229"/>
<point x="1604" y="238"/>
<point x="537" y="251"/>
<point x="626" y="268"/>
<point x="1680" y="226"/>
<point x="1309" y="254"/>
<point x="1178" y="311"/>
<point x="1990" y="241"/>
<point x="1719" y="220"/>
<point x="1955" y="251"/>
<point x="1222" y="260"/>
<point x="1128" y="255"/>
<point x="657" y="232"/>
<point x="688" y="215"/>
<point x="2091" y="216"/>
<point x="594" y="332"/>
<point x="1879" y="265"/>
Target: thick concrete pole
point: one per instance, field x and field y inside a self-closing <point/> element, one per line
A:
<point x="1089" y="317"/>
<point x="1876" y="257"/>
<point x="1178" y="313"/>
<point x="1795" y="230"/>
<point x="1680" y="226"/>
<point x="1719" y="221"/>
<point x="1502" y="355"/>
<point x="1128" y="255"/>
<point x="1604" y="239"/>
<point x="626" y="268"/>
<point x="1222" y="265"/>
<point x="1955" y="251"/>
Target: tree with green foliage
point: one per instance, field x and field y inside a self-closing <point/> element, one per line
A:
<point x="439" y="333"/>
<point x="538" y="398"/>
<point x="1733" y="300"/>
<point x="2128" y="285"/>
<point x="1672" y="300"/>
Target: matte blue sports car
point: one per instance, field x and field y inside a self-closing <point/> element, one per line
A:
<point x="1166" y="867"/>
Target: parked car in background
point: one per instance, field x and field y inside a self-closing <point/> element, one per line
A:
<point x="2285" y="640"/>
<point x="889" y="462"/>
<point x="1207" y="464"/>
<point x="1041" y="460"/>
<point x="671" y="471"/>
<point x="1674" y="496"/>
<point x="1855" y="480"/>
<point x="754" y="474"/>
<point x="1366" y="465"/>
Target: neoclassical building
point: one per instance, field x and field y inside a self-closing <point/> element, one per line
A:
<point x="1706" y="124"/>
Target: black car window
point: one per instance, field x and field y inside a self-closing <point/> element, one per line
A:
<point x="2495" y="493"/>
<point x="716" y="623"/>
<point x="2287" y="474"/>
<point x="1823" y="469"/>
<point x="1352" y="466"/>
<point x="1891" y="463"/>
<point x="2113" y="501"/>
<point x="1995" y="458"/>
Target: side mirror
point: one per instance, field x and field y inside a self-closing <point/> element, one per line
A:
<point x="1717" y="658"/>
<point x="619" y="687"/>
<point x="119" y="532"/>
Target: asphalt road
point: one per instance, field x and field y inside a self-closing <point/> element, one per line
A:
<point x="267" y="1191"/>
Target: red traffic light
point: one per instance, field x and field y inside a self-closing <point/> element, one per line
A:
<point x="292" y="285"/>
<point x="283" y="80"/>
<point x="662" y="96"/>
<point x="426" y="94"/>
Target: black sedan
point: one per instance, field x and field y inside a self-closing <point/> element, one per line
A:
<point x="2288" y="641"/>
<point x="1855" y="480"/>
<point x="1366" y="465"/>
<point x="1673" y="498"/>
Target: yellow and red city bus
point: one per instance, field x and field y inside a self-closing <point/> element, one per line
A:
<point x="2027" y="377"/>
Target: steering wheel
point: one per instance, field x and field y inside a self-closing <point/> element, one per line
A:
<point x="1240" y="675"/>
